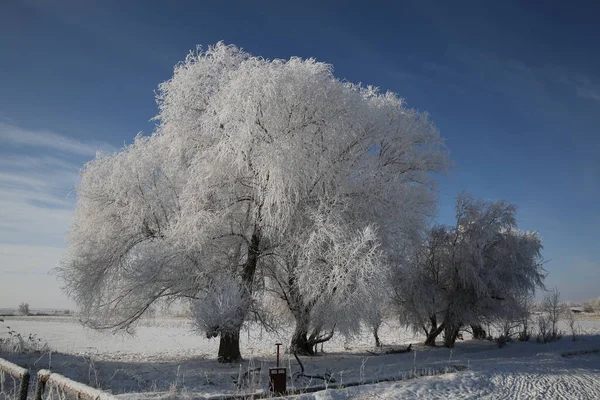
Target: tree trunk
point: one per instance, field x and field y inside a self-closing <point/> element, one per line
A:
<point x="229" y="344"/>
<point x="450" y="335"/>
<point x="252" y="261"/>
<point x="430" y="340"/>
<point x="229" y="348"/>
<point x="376" y="336"/>
<point x="433" y="332"/>
<point x="300" y="343"/>
<point x="478" y="332"/>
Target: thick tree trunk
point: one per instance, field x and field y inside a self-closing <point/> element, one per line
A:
<point x="450" y="335"/>
<point x="430" y="340"/>
<point x="478" y="332"/>
<point x="229" y="344"/>
<point x="304" y="343"/>
<point x="229" y="348"/>
<point x="433" y="332"/>
<point x="300" y="343"/>
<point x="252" y="261"/>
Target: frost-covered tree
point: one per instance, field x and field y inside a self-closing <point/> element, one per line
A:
<point x="24" y="308"/>
<point x="245" y="150"/>
<point x="381" y="202"/>
<point x="328" y="280"/>
<point x="469" y="273"/>
<point x="554" y="311"/>
<point x="524" y="309"/>
<point x="374" y="312"/>
<point x="364" y="299"/>
<point x="591" y="305"/>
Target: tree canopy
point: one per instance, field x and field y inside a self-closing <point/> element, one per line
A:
<point x="475" y="271"/>
<point x="254" y="164"/>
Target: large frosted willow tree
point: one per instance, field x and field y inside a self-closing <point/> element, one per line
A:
<point x="246" y="152"/>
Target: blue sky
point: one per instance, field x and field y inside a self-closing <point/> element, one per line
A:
<point x="514" y="87"/>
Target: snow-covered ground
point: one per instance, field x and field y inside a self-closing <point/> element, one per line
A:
<point x="516" y="373"/>
<point x="166" y="359"/>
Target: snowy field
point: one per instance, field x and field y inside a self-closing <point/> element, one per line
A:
<point x="166" y="359"/>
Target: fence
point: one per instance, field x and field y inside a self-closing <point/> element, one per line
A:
<point x="52" y="386"/>
<point x="14" y="381"/>
<point x="14" y="385"/>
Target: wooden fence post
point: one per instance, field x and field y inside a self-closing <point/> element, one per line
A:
<point x="24" y="386"/>
<point x="42" y="377"/>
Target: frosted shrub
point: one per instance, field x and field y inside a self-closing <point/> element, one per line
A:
<point x="572" y="323"/>
<point x="591" y="306"/>
<point x="14" y="342"/>
<point x="545" y="332"/>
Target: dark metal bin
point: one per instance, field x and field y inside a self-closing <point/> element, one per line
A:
<point x="277" y="380"/>
<point x="277" y="377"/>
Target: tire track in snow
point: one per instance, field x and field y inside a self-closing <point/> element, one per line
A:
<point x="546" y="378"/>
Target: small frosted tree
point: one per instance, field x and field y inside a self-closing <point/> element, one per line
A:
<point x="374" y="313"/>
<point x="511" y="318"/>
<point x="554" y="310"/>
<point x="245" y="149"/>
<point x="469" y="273"/>
<point x="526" y="303"/>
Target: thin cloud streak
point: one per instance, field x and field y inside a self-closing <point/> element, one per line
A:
<point x="15" y="136"/>
<point x="588" y="91"/>
<point x="37" y="189"/>
<point x="39" y="162"/>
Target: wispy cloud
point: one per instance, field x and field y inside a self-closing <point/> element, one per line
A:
<point x="586" y="89"/>
<point x="491" y="72"/>
<point x="38" y="174"/>
<point x="15" y="136"/>
<point x="13" y="161"/>
<point x="36" y="184"/>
